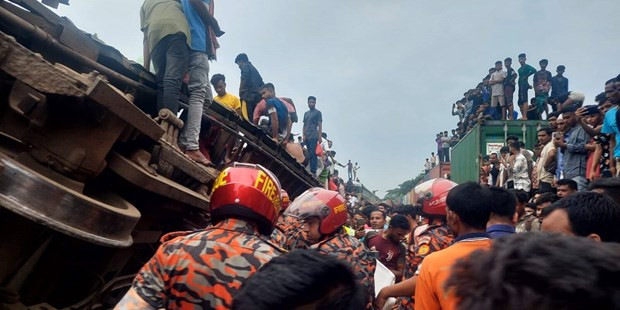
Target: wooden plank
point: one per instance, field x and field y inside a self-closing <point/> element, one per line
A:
<point x="114" y="100"/>
<point x="133" y="173"/>
<point x="198" y="172"/>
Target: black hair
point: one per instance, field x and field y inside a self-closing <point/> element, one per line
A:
<point x="311" y="98"/>
<point x="571" y="184"/>
<point x="499" y="62"/>
<point x="399" y="221"/>
<point x="508" y="59"/>
<point x="376" y="209"/>
<point x="609" y="186"/>
<point x="268" y="86"/>
<point x="521" y="195"/>
<point x="515" y="145"/>
<point x="369" y="209"/>
<point x="544" y="61"/>
<point x="546" y="197"/>
<point x="504" y="150"/>
<point x="591" y="213"/>
<point x="600" y="98"/>
<point x="561" y="67"/>
<point x="409" y="210"/>
<point x="324" y="135"/>
<point x="553" y="114"/>
<point x="515" y="138"/>
<point x="301" y="277"/>
<point x="242" y="57"/>
<point x="547" y="130"/>
<point x="504" y="202"/>
<point x="612" y="80"/>
<point x="472" y="203"/>
<point x="530" y="205"/>
<point x="522" y="55"/>
<point x="216" y="78"/>
<point x="529" y="271"/>
<point x="569" y="109"/>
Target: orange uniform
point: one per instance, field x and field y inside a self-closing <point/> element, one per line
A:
<point x="202" y="270"/>
<point x="435" y="269"/>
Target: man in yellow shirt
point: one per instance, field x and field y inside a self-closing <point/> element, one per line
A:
<point x="469" y="207"/>
<point x="230" y="101"/>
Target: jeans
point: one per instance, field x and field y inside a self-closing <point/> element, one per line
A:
<point x="582" y="183"/>
<point x="170" y="57"/>
<point x="311" y="144"/>
<point x="445" y="154"/>
<point x="199" y="92"/>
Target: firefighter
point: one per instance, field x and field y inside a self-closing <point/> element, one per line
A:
<point x="431" y="237"/>
<point x="203" y="269"/>
<point x="323" y="213"/>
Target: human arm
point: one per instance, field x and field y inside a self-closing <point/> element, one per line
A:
<point x="580" y="114"/>
<point x="203" y="12"/>
<point x="133" y="301"/>
<point x="598" y="151"/>
<point x="402" y="289"/>
<point x="273" y="116"/>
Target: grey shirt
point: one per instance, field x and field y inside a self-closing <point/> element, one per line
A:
<point x="312" y="119"/>
<point x="575" y="154"/>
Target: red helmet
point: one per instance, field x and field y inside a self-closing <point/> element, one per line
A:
<point x="327" y="205"/>
<point x="286" y="201"/>
<point x="247" y="191"/>
<point x="433" y="193"/>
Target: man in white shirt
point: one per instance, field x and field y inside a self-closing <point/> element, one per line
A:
<point x="519" y="168"/>
<point x="497" y="88"/>
<point x="545" y="178"/>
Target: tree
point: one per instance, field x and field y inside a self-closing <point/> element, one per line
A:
<point x="403" y="189"/>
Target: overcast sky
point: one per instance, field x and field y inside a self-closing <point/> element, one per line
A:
<point x="387" y="72"/>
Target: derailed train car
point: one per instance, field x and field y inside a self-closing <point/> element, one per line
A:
<point x="90" y="176"/>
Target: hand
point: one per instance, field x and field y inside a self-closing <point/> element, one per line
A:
<point x="381" y="299"/>
<point x="529" y="86"/>
<point x="320" y="140"/>
<point x="581" y="112"/>
<point x="275" y="140"/>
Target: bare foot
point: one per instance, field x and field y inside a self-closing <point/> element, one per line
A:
<point x="196" y="156"/>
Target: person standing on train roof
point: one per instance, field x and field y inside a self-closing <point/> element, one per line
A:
<point x="203" y="269"/>
<point x="312" y="131"/>
<point x="249" y="87"/>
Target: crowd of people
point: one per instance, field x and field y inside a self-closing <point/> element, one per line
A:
<point x="452" y="250"/>
<point x="180" y="38"/>
<point x="504" y="242"/>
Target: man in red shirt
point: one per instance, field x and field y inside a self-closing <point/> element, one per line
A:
<point x="388" y="244"/>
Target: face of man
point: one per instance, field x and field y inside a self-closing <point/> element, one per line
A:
<point x="514" y="151"/>
<point x="220" y="88"/>
<point x="557" y="222"/>
<point x="569" y="119"/>
<point x="311" y="104"/>
<point x="396" y="234"/>
<point x="498" y="67"/>
<point x="522" y="60"/>
<point x="594" y="119"/>
<point x="543" y="66"/>
<point x="606" y="106"/>
<point x="377" y="220"/>
<point x="564" y="190"/>
<point x="561" y="124"/>
<point x="540" y="207"/>
<point x="559" y="71"/>
<point x="552" y="122"/>
<point x="266" y="93"/>
<point x="528" y="211"/>
<point x="240" y="63"/>
<point x="310" y="229"/>
<point x="615" y="96"/>
<point x="493" y="158"/>
<point x="507" y="63"/>
<point x="543" y="137"/>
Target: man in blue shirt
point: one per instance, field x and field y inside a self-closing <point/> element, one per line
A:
<point x="610" y="125"/>
<point x="279" y="119"/>
<point x="197" y="15"/>
<point x="503" y="213"/>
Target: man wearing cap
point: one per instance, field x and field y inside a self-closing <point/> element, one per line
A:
<point x="574" y="148"/>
